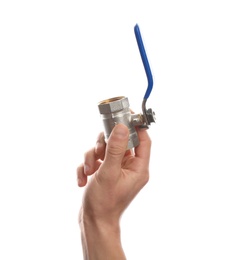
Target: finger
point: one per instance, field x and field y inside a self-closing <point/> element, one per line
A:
<point x="116" y="147"/>
<point x="81" y="177"/>
<point x="100" y="146"/>
<point x="132" y="112"/>
<point x="91" y="170"/>
<point x="143" y="149"/>
<point x="91" y="163"/>
<point x="129" y="152"/>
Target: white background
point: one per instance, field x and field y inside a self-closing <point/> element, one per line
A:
<point x="58" y="59"/>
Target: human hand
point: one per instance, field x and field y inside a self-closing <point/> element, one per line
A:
<point x="117" y="177"/>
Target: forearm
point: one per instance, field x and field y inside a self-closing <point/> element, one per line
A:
<point x="100" y="241"/>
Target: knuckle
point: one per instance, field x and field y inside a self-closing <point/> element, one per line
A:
<point x="79" y="168"/>
<point x="116" y="148"/>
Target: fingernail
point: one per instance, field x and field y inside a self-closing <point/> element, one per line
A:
<point x="121" y="131"/>
<point x="86" y="169"/>
<point x="98" y="146"/>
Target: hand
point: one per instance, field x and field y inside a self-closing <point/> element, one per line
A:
<point x="117" y="177"/>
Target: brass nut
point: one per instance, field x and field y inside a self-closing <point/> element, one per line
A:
<point x="113" y="105"/>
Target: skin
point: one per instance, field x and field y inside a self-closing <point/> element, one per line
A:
<point x="116" y="177"/>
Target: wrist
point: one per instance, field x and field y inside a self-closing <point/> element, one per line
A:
<point x="100" y="238"/>
<point x="100" y="225"/>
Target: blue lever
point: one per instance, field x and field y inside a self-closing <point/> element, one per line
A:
<point x="144" y="60"/>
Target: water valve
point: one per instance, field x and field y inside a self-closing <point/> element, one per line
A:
<point x="117" y="110"/>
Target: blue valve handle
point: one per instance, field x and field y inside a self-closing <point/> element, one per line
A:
<point x="144" y="60"/>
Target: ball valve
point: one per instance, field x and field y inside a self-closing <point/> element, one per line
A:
<point x="117" y="109"/>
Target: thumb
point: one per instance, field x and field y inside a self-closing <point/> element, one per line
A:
<point x="116" y="146"/>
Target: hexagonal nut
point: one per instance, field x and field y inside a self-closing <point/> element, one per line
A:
<point x="113" y="105"/>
